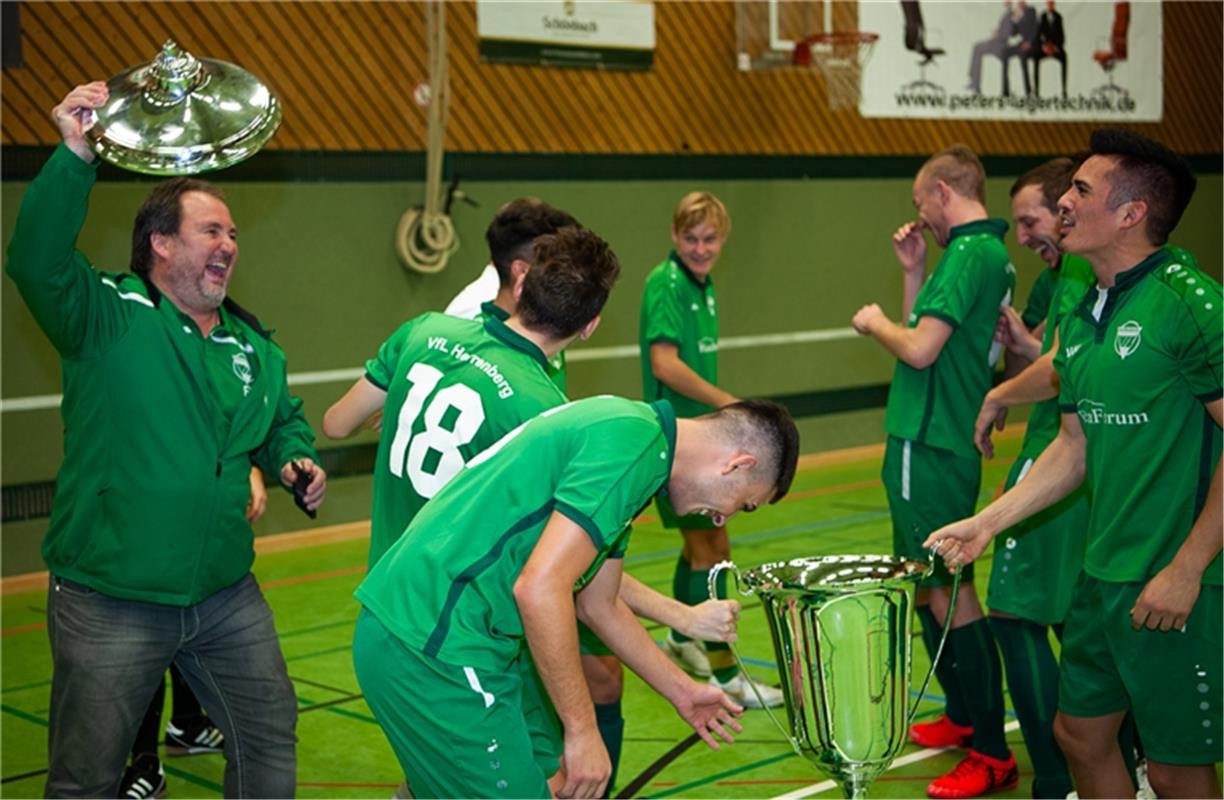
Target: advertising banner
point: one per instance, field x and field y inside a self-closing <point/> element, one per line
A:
<point x="596" y="34"/>
<point x="1043" y="61"/>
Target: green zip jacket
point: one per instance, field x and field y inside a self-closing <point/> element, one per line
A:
<point x="151" y="496"/>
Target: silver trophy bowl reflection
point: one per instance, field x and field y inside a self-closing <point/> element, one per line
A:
<point x="841" y="629"/>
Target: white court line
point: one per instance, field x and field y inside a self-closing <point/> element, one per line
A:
<point x="42" y="402"/>
<point x="921" y="755"/>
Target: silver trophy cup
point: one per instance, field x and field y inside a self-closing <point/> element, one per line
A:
<point x="841" y="630"/>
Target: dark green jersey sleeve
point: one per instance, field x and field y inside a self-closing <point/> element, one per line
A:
<point x="380" y="370"/>
<point x="1038" y="306"/>
<point x="954" y="288"/>
<point x="1199" y="337"/>
<point x="619" y="466"/>
<point x="81" y="311"/>
<point x="661" y="313"/>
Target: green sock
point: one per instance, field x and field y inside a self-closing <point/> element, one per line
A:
<point x="945" y="670"/>
<point x="722" y="663"/>
<point x="981" y="680"/>
<point x="611" y="724"/>
<point x="1032" y="680"/>
<point x="682" y="580"/>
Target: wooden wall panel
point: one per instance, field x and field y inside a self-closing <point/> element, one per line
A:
<point x="345" y="71"/>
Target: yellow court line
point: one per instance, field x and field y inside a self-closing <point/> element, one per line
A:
<point x="313" y="537"/>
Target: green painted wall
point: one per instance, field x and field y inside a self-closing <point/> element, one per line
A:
<point x="318" y="265"/>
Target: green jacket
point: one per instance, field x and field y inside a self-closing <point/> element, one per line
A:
<point x="150" y="499"/>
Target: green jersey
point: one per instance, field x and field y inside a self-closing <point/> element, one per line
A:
<point x="556" y="364"/>
<point x="973" y="279"/>
<point x="1038" y="306"/>
<point x="1074" y="279"/>
<point x="446" y="588"/>
<point x="678" y="308"/>
<point x="454" y="387"/>
<point x="1137" y="362"/>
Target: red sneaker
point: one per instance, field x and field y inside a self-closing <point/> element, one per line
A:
<point x="976" y="775"/>
<point x="943" y="732"/>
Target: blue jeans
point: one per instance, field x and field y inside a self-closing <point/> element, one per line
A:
<point x="108" y="655"/>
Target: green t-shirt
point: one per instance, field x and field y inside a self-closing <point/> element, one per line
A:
<point x="677" y="308"/>
<point x="1137" y="362"/>
<point x="936" y="406"/>
<point x="446" y="588"/>
<point x="1074" y="278"/>
<point x="454" y="387"/>
<point x="1038" y="306"/>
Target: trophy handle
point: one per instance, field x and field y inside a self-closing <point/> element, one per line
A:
<point x="712" y="586"/>
<point x="943" y="639"/>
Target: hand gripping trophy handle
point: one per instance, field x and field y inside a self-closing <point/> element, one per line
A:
<point x="841" y="629"/>
<point x="711" y="584"/>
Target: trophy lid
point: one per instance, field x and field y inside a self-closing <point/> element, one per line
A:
<point x="179" y="115"/>
<point x="850" y="573"/>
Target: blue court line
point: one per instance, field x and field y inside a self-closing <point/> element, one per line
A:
<point x="930" y="695"/>
<point x="776" y="533"/>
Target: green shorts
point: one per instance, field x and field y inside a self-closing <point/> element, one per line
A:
<point x="927" y="488"/>
<point x="1169" y="681"/>
<point x="671" y="520"/>
<point x="589" y="644"/>
<point x="1037" y="562"/>
<point x="457" y="731"/>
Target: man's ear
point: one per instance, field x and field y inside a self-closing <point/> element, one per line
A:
<point x="589" y="329"/>
<point x="518" y="272"/>
<point x="739" y="461"/>
<point x="1134" y="212"/>
<point x="160" y="243"/>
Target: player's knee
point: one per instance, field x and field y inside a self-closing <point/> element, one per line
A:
<point x="1079" y="743"/>
<point x="605" y="678"/>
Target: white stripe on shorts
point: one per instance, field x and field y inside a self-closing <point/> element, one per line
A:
<point x="474" y="682"/>
<point x="1028" y="464"/>
<point x="905" y="470"/>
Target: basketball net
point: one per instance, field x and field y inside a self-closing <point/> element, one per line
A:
<point x="840" y="58"/>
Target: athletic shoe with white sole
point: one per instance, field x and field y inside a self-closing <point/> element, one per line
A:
<point x="689" y="656"/>
<point x="741" y="692"/>
<point x="145" y="778"/>
<point x="195" y="739"/>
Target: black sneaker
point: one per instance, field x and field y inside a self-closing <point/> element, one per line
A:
<point x="144" y="778"/>
<point x="194" y="739"/>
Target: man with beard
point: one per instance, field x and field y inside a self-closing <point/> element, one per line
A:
<point x="1139" y="367"/>
<point x="171" y="392"/>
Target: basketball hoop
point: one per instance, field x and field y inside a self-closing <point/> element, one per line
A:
<point x="840" y="56"/>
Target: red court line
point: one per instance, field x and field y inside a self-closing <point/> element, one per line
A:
<point x="646" y="519"/>
<point x="341" y="785"/>
<point x="318" y="576"/>
<point x="33" y="626"/>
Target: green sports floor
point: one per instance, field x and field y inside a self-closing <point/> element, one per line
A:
<point x="834" y="507"/>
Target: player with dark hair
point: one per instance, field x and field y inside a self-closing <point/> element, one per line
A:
<point x="1035" y="566"/>
<point x="495" y="561"/>
<point x="945" y="354"/>
<point x="1139" y="366"/>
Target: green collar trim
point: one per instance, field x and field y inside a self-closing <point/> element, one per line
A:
<point x="667" y="420"/>
<point x="1126" y="279"/>
<point x="688" y="273"/>
<point x="497" y="328"/>
<point x="491" y="309"/>
<point x="993" y="226"/>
